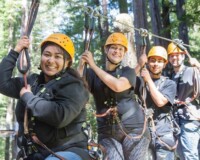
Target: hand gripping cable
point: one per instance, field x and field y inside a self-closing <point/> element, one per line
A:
<point x="23" y="65"/>
<point x="90" y="15"/>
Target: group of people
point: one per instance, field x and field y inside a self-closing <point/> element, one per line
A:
<point x="141" y="114"/>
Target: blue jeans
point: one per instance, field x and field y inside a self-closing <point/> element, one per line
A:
<point x="162" y="154"/>
<point x="65" y="154"/>
<point x="188" y="140"/>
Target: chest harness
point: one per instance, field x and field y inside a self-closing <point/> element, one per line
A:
<point x="169" y="116"/>
<point x="196" y="89"/>
<point x="29" y="134"/>
<point x="112" y="111"/>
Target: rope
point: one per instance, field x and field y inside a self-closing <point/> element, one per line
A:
<point x="89" y="30"/>
<point x="36" y="140"/>
<point x="159" y="139"/>
<point x="23" y="67"/>
<point x="23" y="62"/>
<point x="98" y="15"/>
<point x="113" y="111"/>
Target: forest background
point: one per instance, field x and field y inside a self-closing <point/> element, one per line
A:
<point x="164" y="20"/>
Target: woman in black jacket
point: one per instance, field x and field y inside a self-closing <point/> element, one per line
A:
<point x="55" y="100"/>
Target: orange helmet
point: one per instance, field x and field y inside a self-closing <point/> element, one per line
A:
<point x="172" y="48"/>
<point x="63" y="41"/>
<point x="158" y="51"/>
<point x="117" y="38"/>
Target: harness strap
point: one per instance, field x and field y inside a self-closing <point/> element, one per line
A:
<point x="196" y="89"/>
<point x="159" y="86"/>
<point x="33" y="135"/>
<point x="160" y="140"/>
<point x="36" y="140"/>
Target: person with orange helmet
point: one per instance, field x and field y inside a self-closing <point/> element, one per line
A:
<point x="55" y="100"/>
<point x="160" y="94"/>
<point x="187" y="100"/>
<point x="120" y="119"/>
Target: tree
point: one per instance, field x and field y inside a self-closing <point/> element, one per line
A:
<point x="140" y="21"/>
<point x="155" y="20"/>
<point x="123" y="6"/>
<point x="166" y="21"/>
<point x="181" y="15"/>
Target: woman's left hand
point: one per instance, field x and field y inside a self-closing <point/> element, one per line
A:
<point x="25" y="90"/>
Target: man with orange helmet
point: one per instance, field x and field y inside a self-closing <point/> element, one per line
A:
<point x="120" y="119"/>
<point x="187" y="101"/>
<point x="160" y="94"/>
<point x="55" y="100"/>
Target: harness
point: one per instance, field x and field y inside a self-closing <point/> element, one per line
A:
<point x="29" y="135"/>
<point x="168" y="116"/>
<point x="196" y="89"/>
<point x="112" y="113"/>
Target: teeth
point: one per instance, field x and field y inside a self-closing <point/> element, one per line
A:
<point x="51" y="67"/>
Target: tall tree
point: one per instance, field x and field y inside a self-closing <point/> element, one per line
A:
<point x="123" y="6"/>
<point x="124" y="23"/>
<point x="166" y="7"/>
<point x="103" y="27"/>
<point x="181" y="15"/>
<point x="155" y="20"/>
<point x="140" y="21"/>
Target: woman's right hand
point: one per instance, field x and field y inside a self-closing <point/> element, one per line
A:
<point x="22" y="43"/>
<point x="87" y="57"/>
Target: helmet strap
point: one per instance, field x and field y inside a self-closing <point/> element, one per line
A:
<point x="112" y="62"/>
<point x="63" y="68"/>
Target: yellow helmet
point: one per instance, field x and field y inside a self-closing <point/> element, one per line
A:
<point x="172" y="48"/>
<point x="158" y="51"/>
<point x="63" y="41"/>
<point x="117" y="38"/>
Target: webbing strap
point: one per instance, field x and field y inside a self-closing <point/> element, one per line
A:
<point x="36" y="140"/>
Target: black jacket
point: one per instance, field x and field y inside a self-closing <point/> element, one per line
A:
<point x="58" y="112"/>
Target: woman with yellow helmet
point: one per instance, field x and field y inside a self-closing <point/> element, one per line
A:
<point x="120" y="119"/>
<point x="55" y="100"/>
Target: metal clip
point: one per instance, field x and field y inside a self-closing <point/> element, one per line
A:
<point x="143" y="32"/>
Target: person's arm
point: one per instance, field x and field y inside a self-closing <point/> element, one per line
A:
<point x="159" y="99"/>
<point x="116" y="84"/>
<point x="141" y="63"/>
<point x="11" y="86"/>
<point x="194" y="62"/>
<point x="81" y="67"/>
<point x="60" y="109"/>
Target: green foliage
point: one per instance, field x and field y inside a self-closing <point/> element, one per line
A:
<point x="68" y="17"/>
<point x="2" y="148"/>
<point x="193" y="12"/>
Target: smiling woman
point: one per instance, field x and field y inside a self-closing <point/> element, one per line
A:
<point x="120" y="118"/>
<point x="55" y="100"/>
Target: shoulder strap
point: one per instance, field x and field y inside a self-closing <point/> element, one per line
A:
<point x="180" y="78"/>
<point x="161" y="82"/>
<point x="47" y="85"/>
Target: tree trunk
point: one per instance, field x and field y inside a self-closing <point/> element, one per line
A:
<point x="140" y="21"/>
<point x="155" y="21"/>
<point x="166" y="21"/>
<point x="103" y="27"/>
<point x="124" y="23"/>
<point x="123" y="6"/>
<point x="181" y="14"/>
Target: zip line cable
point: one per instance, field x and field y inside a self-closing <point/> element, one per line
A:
<point x="95" y="13"/>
